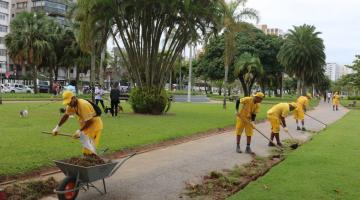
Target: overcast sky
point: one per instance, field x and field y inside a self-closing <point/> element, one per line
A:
<point x="339" y="22"/>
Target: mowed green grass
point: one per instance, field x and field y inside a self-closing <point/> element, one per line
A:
<point x="24" y="148"/>
<point x="326" y="168"/>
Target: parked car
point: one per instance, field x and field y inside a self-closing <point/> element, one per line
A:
<point x="43" y="86"/>
<point x="19" y="88"/>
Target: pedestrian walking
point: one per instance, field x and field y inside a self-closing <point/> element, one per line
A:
<point x="336" y="101"/>
<point x="99" y="93"/>
<point x="115" y="99"/>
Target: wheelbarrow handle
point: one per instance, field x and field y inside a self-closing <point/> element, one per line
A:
<point x="121" y="163"/>
<point x="61" y="134"/>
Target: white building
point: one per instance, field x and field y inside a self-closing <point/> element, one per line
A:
<point x="4" y="29"/>
<point x="345" y="70"/>
<point x="332" y="70"/>
<point x="271" y="31"/>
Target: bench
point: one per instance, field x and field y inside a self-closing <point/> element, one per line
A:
<point x="353" y="104"/>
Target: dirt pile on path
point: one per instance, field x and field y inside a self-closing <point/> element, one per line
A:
<point x="30" y="190"/>
<point x="220" y="185"/>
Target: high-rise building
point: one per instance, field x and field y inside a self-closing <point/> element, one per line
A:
<point x="56" y="9"/>
<point x="4" y="29"/>
<point x="270" y="31"/>
<point x="332" y="70"/>
<point x="18" y="6"/>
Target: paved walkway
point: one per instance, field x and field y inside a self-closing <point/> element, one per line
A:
<point x="161" y="174"/>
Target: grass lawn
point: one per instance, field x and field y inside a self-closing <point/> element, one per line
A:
<point x="325" y="168"/>
<point x="23" y="147"/>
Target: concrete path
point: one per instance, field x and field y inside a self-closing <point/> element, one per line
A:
<point x="161" y="174"/>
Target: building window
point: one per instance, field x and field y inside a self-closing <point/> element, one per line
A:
<point x="21" y="5"/>
<point x="55" y="5"/>
<point x="38" y="3"/>
<point x="3" y="16"/>
<point x="3" y="28"/>
<point x="2" y="52"/>
<point x="2" y="40"/>
<point x="4" y="4"/>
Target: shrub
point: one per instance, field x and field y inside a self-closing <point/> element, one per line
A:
<point x="353" y="97"/>
<point x="148" y="101"/>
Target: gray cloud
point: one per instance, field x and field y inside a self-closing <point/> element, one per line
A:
<point x="337" y="20"/>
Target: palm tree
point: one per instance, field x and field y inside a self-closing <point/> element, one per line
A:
<point x="153" y="34"/>
<point x="302" y="54"/>
<point x="232" y="18"/>
<point x="28" y="40"/>
<point x="93" y="32"/>
<point x="248" y="69"/>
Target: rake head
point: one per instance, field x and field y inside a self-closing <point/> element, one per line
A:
<point x="294" y="146"/>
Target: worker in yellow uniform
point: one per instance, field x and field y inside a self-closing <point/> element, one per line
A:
<point x="89" y="119"/>
<point x="276" y="116"/>
<point x="299" y="113"/>
<point x="336" y="101"/>
<point x="244" y="117"/>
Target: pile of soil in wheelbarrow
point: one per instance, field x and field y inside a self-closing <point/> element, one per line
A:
<point x="86" y="161"/>
<point x="30" y="190"/>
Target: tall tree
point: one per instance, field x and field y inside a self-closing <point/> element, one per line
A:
<point x="153" y="34"/>
<point x="302" y="54"/>
<point x="233" y="15"/>
<point x="248" y="69"/>
<point x="28" y="40"/>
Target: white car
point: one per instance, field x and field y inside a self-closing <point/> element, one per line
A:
<point x="19" y="88"/>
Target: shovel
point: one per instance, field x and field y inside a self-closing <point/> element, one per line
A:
<point x="317" y="120"/>
<point x="85" y="141"/>
<point x="61" y="134"/>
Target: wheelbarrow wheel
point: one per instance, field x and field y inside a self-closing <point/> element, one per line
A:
<point x="69" y="183"/>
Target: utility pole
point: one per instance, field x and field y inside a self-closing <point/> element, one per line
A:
<point x="190" y="75"/>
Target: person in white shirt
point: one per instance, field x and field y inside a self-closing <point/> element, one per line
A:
<point x="99" y="93"/>
<point x="329" y="95"/>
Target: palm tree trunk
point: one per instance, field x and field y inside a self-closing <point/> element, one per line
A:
<point x="23" y="71"/>
<point x="298" y="87"/>
<point x="51" y="79"/>
<point x="77" y="79"/>
<point x="225" y="84"/>
<point x="101" y="68"/>
<point x="92" y="71"/>
<point x="34" y="76"/>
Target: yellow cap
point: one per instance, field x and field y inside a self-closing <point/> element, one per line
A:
<point x="67" y="95"/>
<point x="293" y="104"/>
<point x="308" y="95"/>
<point x="259" y="94"/>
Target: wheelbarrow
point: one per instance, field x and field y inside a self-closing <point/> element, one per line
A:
<point x="79" y="177"/>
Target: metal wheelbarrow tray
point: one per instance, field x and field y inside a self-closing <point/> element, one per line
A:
<point x="79" y="177"/>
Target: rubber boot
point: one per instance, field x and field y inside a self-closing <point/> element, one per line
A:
<point x="298" y="128"/>
<point x="238" y="150"/>
<point x="248" y="150"/>
<point x="271" y="144"/>
<point x="303" y="129"/>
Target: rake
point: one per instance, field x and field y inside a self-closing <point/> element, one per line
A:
<point x="317" y="120"/>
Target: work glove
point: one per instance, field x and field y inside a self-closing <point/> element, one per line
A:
<point x="56" y="130"/>
<point x="77" y="134"/>
<point x="286" y="129"/>
<point x="252" y="125"/>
